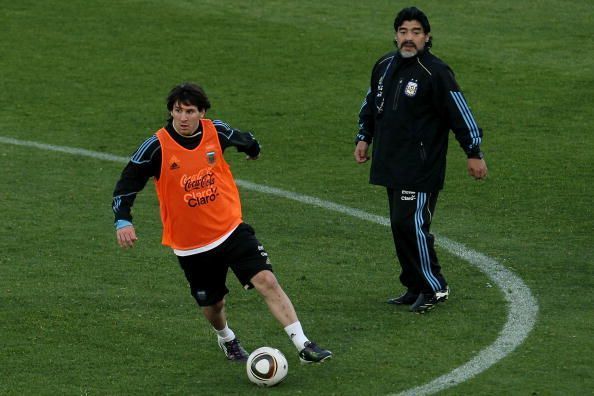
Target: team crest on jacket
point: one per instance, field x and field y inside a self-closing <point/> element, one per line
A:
<point x="211" y="157"/>
<point x="411" y="88"/>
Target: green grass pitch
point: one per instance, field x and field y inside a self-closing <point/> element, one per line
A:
<point x="78" y="315"/>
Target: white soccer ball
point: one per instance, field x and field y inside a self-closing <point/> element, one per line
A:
<point x="267" y="366"/>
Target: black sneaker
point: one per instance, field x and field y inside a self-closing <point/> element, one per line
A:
<point x="427" y="301"/>
<point x="313" y="353"/>
<point x="407" y="298"/>
<point x="443" y="294"/>
<point x="233" y="350"/>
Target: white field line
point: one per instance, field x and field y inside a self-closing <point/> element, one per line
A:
<point x="521" y="304"/>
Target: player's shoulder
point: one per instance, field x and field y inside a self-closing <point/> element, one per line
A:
<point x="224" y="130"/>
<point x="386" y="58"/>
<point x="436" y="66"/>
<point x="383" y="63"/>
<point x="146" y="149"/>
<point x="434" y="62"/>
<point x="221" y="125"/>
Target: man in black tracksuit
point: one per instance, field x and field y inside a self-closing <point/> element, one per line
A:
<point x="412" y="103"/>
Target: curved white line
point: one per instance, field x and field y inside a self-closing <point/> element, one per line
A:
<point x="521" y="318"/>
<point x="522" y="306"/>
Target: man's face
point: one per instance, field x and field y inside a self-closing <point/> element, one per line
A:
<point x="186" y="118"/>
<point x="411" y="38"/>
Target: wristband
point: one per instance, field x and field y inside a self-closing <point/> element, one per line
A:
<point x="122" y="223"/>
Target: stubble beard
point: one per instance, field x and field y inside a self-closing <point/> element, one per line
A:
<point x="408" y="54"/>
<point x="404" y="53"/>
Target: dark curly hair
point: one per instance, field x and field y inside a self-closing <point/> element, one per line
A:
<point x="414" y="14"/>
<point x="189" y="94"/>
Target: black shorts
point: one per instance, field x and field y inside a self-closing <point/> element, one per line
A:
<point x="207" y="272"/>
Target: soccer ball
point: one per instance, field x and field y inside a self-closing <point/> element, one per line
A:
<point x="267" y="366"/>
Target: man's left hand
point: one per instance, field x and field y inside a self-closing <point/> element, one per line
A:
<point x="477" y="168"/>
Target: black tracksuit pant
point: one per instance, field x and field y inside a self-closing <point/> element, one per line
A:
<point x="410" y="219"/>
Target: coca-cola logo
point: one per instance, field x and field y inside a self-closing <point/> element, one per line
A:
<point x="200" y="188"/>
<point x="201" y="180"/>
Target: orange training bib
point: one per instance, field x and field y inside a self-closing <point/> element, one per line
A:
<point x="198" y="197"/>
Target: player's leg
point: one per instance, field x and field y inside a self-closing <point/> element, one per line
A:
<point x="251" y="265"/>
<point x="282" y="309"/>
<point x="215" y="314"/>
<point x="436" y="289"/>
<point x="277" y="300"/>
<point x="207" y="286"/>
<point x="429" y="213"/>
<point x="402" y="222"/>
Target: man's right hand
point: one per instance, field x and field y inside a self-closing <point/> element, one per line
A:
<point x="362" y="152"/>
<point x="126" y="236"/>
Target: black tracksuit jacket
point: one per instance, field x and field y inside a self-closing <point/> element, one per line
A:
<point x="411" y="105"/>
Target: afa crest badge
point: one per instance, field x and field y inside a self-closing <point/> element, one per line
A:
<point x="211" y="157"/>
<point x="411" y="88"/>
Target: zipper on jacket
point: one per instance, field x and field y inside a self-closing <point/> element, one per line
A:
<point x="423" y="154"/>
<point x="397" y="95"/>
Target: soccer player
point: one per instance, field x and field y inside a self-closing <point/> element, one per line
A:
<point x="201" y="216"/>
<point x="412" y="103"/>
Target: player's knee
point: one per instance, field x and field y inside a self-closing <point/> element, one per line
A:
<point x="209" y="298"/>
<point x="265" y="280"/>
<point x="218" y="306"/>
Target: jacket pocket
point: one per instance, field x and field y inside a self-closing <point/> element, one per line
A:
<point x="397" y="95"/>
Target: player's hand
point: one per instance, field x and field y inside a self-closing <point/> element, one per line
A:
<point x="126" y="236"/>
<point x="361" y="152"/>
<point x="477" y="168"/>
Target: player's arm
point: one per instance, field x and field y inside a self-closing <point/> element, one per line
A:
<point x="366" y="119"/>
<point x="461" y="121"/>
<point x="244" y="142"/>
<point x="144" y="163"/>
<point x="369" y="107"/>
<point x="365" y="132"/>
